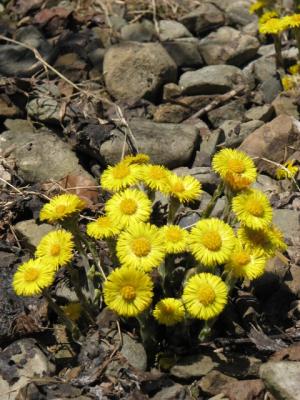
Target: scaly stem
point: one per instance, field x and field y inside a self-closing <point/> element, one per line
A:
<point x="278" y="54"/>
<point x="173" y="207"/>
<point x="147" y="334"/>
<point x="297" y="36"/>
<point x="211" y="205"/>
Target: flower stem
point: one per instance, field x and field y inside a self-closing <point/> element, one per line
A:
<point x="211" y="205"/>
<point x="173" y="208"/>
<point x="147" y="333"/>
<point x="278" y="53"/>
<point x="206" y="330"/>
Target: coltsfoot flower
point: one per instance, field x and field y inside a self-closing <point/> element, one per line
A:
<point x="211" y="241"/>
<point x="102" y="228"/>
<point x="205" y="296"/>
<point x="169" y="311"/>
<point x="253" y="209"/>
<point x="176" y="239"/>
<point x="256" y="6"/>
<point x="128" y="291"/>
<point x="32" y="277"/>
<point x="155" y="176"/>
<point x="56" y="248"/>
<point x="139" y="158"/>
<point x="141" y="246"/>
<point x="127" y="207"/>
<point x="288" y="172"/>
<point x="273" y="26"/>
<point x="120" y="176"/>
<point x="61" y="207"/>
<point x="183" y="188"/>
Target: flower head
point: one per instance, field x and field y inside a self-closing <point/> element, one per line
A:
<point x="128" y="291"/>
<point x="139" y="158"/>
<point x="245" y="263"/>
<point x="273" y="26"/>
<point x="205" y="296"/>
<point x="155" y="176"/>
<point x="169" y="311"/>
<point x="32" y="277"/>
<point x="256" y="6"/>
<point x="288" y="172"/>
<point x="211" y="241"/>
<point x="129" y="206"/>
<point x="102" y="228"/>
<point x="252" y="209"/>
<point x="267" y="15"/>
<point x="235" y="168"/>
<point x="185" y="188"/>
<point x="56" y="248"/>
<point x="61" y="207"/>
<point x="288" y="82"/>
<point x="294" y="69"/>
<point x="176" y="239"/>
<point x="291" y="21"/>
<point x="141" y="246"/>
<point x="120" y="176"/>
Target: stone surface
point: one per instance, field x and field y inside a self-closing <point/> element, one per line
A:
<point x="30" y="233"/>
<point x="282" y="379"/>
<point x="175" y="391"/>
<point x="185" y="52"/>
<point x="270" y="88"/>
<point x="170" y="30"/>
<point x="44" y="109"/>
<point x="135" y="70"/>
<point x="238" y="13"/>
<point x="236" y="132"/>
<point x="252" y="389"/>
<point x="39" y="155"/>
<point x="19" y="363"/>
<point x="193" y="367"/>
<point x="228" y="45"/>
<point x="134" y="352"/>
<point x="289" y="222"/>
<point x="273" y="141"/>
<point x="263" y="113"/>
<point x="138" y="31"/>
<point x="213" y="79"/>
<point x="233" y="110"/>
<point x="214" y="382"/>
<point x="286" y="103"/>
<point x="168" y="144"/>
<point x="203" y="19"/>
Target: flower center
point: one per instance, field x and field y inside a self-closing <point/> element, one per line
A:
<point x="128" y="293"/>
<point x="178" y="187"/>
<point x="167" y="309"/>
<point x="206" y="295"/>
<point x="236" y="166"/>
<point x="258" y="237"/>
<point x="60" y="209"/>
<point x="255" y="208"/>
<point x="128" y="206"/>
<point x="157" y="174"/>
<point x="173" y="235"/>
<point x="241" y="258"/>
<point x="141" y="247"/>
<point x="31" y="274"/>
<point x="212" y="240"/>
<point x="120" y="171"/>
<point x="55" y="249"/>
<point x="104" y="222"/>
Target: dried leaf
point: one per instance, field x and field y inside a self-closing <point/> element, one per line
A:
<point x="83" y="186"/>
<point x="263" y="342"/>
<point x="44" y="16"/>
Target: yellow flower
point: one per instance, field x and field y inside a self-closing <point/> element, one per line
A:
<point x="273" y="26"/>
<point x="56" y="248"/>
<point x="258" y="5"/>
<point x="120" y="176"/>
<point x="61" y="207"/>
<point x="288" y="172"/>
<point x="245" y="262"/>
<point x="102" y="228"/>
<point x="139" y="158"/>
<point x="205" y="296"/>
<point x="32" y="277"/>
<point x="176" y="239"/>
<point x="252" y="209"/>
<point x="292" y="21"/>
<point x="294" y="69"/>
<point x="185" y="188"/>
<point x="129" y="206"/>
<point x="288" y="82"/>
<point x="235" y="167"/>
<point x="266" y="241"/>
<point x="155" y="176"/>
<point x="141" y="246"/>
<point x="72" y="311"/>
<point x="266" y="16"/>
<point x="128" y="291"/>
<point x="211" y="241"/>
<point x="169" y="311"/>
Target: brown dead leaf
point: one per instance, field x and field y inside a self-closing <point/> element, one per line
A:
<point x="83" y="186"/>
<point x="291" y="353"/>
<point x="22" y="7"/>
<point x="44" y="16"/>
<point x="252" y="389"/>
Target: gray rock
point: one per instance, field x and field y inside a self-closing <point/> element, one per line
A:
<point x="238" y="13"/>
<point x="266" y="184"/>
<point x="44" y="109"/>
<point x="204" y="19"/>
<point x="185" y="52"/>
<point x="293" y="281"/>
<point x="175" y="391"/>
<point x="20" y="362"/>
<point x="288" y="221"/>
<point x="270" y="89"/>
<point x="193" y="367"/>
<point x="282" y="379"/>
<point x="263" y="113"/>
<point x="117" y="22"/>
<point x="134" y="352"/>
<point x="30" y="233"/>
<point x="168" y="144"/>
<point x="39" y="155"/>
<point x="135" y="70"/>
<point x="208" y="179"/>
<point x="251" y="29"/>
<point x="214" y="382"/>
<point x="286" y="103"/>
<point x="214" y="79"/>
<point x="208" y="148"/>
<point x="234" y="110"/>
<point x="264" y="68"/>
<point x="138" y="31"/>
<point x="228" y="45"/>
<point x="235" y="132"/>
<point x="170" y="30"/>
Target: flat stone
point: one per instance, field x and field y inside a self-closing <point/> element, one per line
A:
<point x="134" y="352"/>
<point x="214" y="79"/>
<point x="228" y="46"/>
<point x="138" y="31"/>
<point x="135" y="70"/>
<point x="263" y="113"/>
<point x="233" y="110"/>
<point x="30" y="233"/>
<point x="185" y="52"/>
<point x="172" y="145"/>
<point x="238" y="13"/>
<point x="282" y="379"/>
<point x="175" y="391"/>
<point x="193" y="367"/>
<point x="203" y="19"/>
<point x="286" y="103"/>
<point x="270" y="88"/>
<point x="170" y="30"/>
<point x="214" y="382"/>
<point x="288" y="221"/>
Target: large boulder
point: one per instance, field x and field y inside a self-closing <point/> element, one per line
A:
<point x="137" y="70"/>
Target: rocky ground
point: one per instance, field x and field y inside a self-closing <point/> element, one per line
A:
<point x="80" y="81"/>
